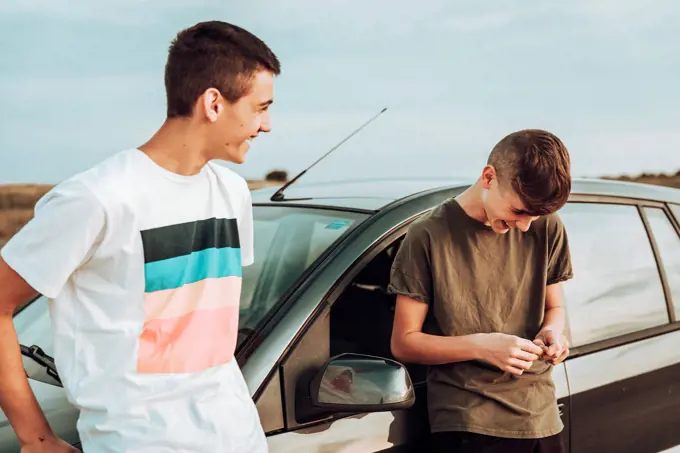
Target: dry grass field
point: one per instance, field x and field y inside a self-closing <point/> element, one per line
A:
<point x="647" y="178"/>
<point x="17" y="200"/>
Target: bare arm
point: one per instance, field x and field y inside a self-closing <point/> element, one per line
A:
<point x="410" y="344"/>
<point x="555" y="313"/>
<point x="551" y="336"/>
<point x="17" y="399"/>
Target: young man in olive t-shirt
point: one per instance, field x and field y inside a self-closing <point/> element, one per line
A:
<point x="479" y="299"/>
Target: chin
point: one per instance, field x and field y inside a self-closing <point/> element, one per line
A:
<point x="235" y="156"/>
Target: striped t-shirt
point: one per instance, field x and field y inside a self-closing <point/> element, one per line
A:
<point x="143" y="269"/>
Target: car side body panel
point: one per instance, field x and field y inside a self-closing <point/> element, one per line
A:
<point x="627" y="398"/>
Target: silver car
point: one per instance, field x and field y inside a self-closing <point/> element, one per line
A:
<point x="315" y="321"/>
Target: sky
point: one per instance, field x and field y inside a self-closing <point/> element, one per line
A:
<point x="82" y="80"/>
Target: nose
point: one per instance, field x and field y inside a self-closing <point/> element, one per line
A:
<point x="524" y="224"/>
<point x="265" y="124"/>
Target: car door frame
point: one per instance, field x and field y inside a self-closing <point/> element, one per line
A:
<point x="629" y="340"/>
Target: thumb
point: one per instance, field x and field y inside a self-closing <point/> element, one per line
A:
<point x="549" y="337"/>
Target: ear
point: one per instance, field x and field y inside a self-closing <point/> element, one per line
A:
<point x="488" y="176"/>
<point x="211" y="104"/>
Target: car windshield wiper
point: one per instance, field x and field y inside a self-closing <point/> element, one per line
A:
<point x="38" y="356"/>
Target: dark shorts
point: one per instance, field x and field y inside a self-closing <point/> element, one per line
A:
<point x="463" y="442"/>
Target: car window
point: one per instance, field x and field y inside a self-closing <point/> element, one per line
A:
<point x="616" y="288"/>
<point x="361" y="318"/>
<point x="668" y="243"/>
<point x="287" y="241"/>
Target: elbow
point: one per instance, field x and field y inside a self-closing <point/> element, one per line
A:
<point x="398" y="350"/>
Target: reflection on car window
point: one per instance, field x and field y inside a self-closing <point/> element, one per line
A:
<point x="616" y="287"/>
<point x="287" y="241"/>
<point x="33" y="325"/>
<point x="668" y="243"/>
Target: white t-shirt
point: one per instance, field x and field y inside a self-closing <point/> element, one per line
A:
<point x="142" y="267"/>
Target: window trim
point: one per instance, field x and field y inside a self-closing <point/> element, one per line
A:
<point x="659" y="262"/>
<point x="675" y="218"/>
<point x="621" y="340"/>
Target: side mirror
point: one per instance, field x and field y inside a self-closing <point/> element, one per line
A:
<point x="362" y="383"/>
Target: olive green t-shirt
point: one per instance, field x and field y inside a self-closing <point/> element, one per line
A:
<point x="477" y="281"/>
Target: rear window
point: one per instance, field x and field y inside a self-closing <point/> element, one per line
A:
<point x="616" y="288"/>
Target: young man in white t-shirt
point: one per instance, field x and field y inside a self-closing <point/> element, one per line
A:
<point x="141" y="258"/>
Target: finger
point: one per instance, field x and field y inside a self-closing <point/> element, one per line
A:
<point x="538" y="342"/>
<point x="561" y="358"/>
<point x="554" y="350"/>
<point x="523" y="355"/>
<point x="550" y="337"/>
<point x="521" y="364"/>
<point x="513" y="370"/>
<point x="528" y="346"/>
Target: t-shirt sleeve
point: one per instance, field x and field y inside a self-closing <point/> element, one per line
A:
<point x="62" y="234"/>
<point x="411" y="273"/>
<point x="245" y="230"/>
<point x="559" y="255"/>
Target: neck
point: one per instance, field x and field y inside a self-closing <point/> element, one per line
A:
<point x="178" y="147"/>
<point x="472" y="202"/>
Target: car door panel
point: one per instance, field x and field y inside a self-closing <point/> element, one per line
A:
<point x="360" y="433"/>
<point x="559" y="375"/>
<point x="627" y="398"/>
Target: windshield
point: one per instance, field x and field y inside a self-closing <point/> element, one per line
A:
<point x="287" y="241"/>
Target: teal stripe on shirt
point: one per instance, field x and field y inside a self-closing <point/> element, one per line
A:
<point x="209" y="263"/>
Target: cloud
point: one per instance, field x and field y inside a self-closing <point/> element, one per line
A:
<point x="103" y="11"/>
<point x="79" y="82"/>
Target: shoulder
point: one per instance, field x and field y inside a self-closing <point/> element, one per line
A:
<point x="229" y="178"/>
<point x="429" y="227"/>
<point x="112" y="177"/>
<point x="550" y="228"/>
<point x="553" y="222"/>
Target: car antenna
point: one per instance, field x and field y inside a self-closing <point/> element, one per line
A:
<point x="279" y="196"/>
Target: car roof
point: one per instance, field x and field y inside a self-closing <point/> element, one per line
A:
<point x="375" y="194"/>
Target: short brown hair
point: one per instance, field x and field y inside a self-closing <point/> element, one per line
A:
<point x="536" y="164"/>
<point x="213" y="54"/>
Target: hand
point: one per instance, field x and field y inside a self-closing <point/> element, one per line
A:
<point x="50" y="444"/>
<point x="555" y="349"/>
<point x="509" y="353"/>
